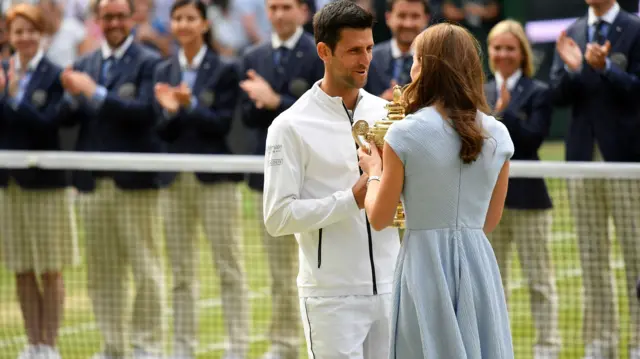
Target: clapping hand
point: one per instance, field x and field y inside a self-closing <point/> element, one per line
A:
<point x="596" y="55"/>
<point x="183" y="95"/>
<point x="504" y="99"/>
<point x="3" y="80"/>
<point x="78" y="83"/>
<point x="166" y="97"/>
<point x="259" y="91"/>
<point x="569" y="51"/>
<point x="14" y="79"/>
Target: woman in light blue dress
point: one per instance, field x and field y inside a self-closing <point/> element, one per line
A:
<point x="449" y="162"/>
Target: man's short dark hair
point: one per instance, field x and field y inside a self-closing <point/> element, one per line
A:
<point x="96" y="6"/>
<point x="336" y="16"/>
<point x="425" y="3"/>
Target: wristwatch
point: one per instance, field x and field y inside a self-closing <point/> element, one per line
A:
<point x="373" y="178"/>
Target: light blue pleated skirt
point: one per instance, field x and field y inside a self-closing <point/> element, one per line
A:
<point x="448" y="298"/>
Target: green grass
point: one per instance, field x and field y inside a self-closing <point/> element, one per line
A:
<point x="80" y="339"/>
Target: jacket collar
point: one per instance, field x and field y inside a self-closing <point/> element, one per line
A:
<point x="333" y="102"/>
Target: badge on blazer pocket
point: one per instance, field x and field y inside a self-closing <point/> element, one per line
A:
<point x="619" y="59"/>
<point x="39" y="98"/>
<point x="127" y="91"/>
<point x="297" y="87"/>
<point x="206" y="98"/>
<point x="522" y="115"/>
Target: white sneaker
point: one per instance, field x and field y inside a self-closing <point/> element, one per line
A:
<point x="29" y="352"/>
<point x="634" y="353"/>
<point x="48" y="352"/>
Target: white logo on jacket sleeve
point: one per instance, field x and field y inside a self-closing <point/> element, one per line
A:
<point x="274" y="155"/>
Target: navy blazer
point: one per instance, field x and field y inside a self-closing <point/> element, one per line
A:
<point x="605" y="106"/>
<point x="204" y="128"/>
<point x="380" y="69"/>
<point x="33" y="124"/>
<point x="125" y="122"/>
<point x="528" y="119"/>
<point x="304" y="69"/>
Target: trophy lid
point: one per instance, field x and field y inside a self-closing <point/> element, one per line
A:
<point x="395" y="108"/>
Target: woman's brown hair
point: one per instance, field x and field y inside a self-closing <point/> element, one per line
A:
<point x="452" y="78"/>
<point x="30" y="12"/>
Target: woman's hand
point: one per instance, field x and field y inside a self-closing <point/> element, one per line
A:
<point x="165" y="95"/>
<point x="371" y="163"/>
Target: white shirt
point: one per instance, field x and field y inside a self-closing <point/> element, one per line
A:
<point x="289" y="43"/>
<point x="512" y="81"/>
<point x="107" y="51"/>
<point x="311" y="163"/>
<point x="395" y="50"/>
<point x="33" y="63"/>
<point x="196" y="62"/>
<point x="609" y="17"/>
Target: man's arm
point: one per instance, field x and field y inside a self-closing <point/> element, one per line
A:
<point x="564" y="82"/>
<point x="252" y="116"/>
<point x="626" y="83"/>
<point x="284" y="212"/>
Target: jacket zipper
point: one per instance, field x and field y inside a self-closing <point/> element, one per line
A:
<point x="320" y="248"/>
<point x="373" y="266"/>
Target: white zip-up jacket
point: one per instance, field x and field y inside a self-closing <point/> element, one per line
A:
<point x="311" y="164"/>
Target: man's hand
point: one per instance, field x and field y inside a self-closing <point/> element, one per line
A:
<point x="78" y="83"/>
<point x="596" y="55"/>
<point x="259" y="91"/>
<point x="569" y="51"/>
<point x="360" y="190"/>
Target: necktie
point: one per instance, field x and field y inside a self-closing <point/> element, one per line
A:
<point x="404" y="73"/>
<point x="281" y="56"/>
<point x="107" y="65"/>
<point x="598" y="34"/>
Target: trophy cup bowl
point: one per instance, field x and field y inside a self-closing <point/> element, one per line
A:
<point x="363" y="134"/>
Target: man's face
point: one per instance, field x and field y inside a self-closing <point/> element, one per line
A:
<point x="114" y="18"/>
<point x="406" y="20"/>
<point x="349" y="63"/>
<point x="285" y="16"/>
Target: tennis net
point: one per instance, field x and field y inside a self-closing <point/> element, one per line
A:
<point x="186" y="269"/>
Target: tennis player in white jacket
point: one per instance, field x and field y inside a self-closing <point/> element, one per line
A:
<point x="315" y="189"/>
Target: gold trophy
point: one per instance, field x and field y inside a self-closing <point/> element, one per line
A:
<point x="395" y="112"/>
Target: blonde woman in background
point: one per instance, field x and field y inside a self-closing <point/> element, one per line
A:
<point x="37" y="224"/>
<point x="524" y="107"/>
